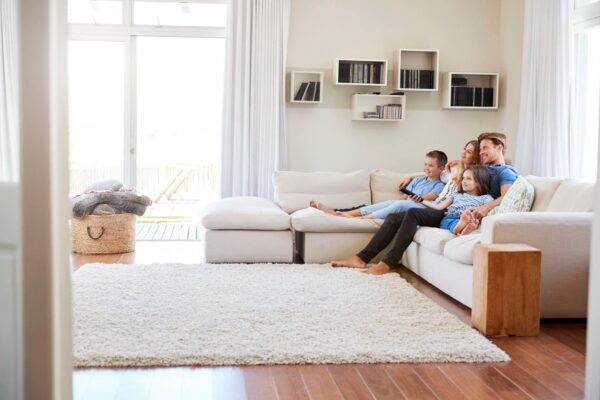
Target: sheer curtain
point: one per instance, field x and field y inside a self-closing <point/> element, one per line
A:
<point x="254" y="144"/>
<point x="543" y="133"/>
<point x="9" y="81"/>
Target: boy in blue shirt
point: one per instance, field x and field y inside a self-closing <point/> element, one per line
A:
<point x="427" y="187"/>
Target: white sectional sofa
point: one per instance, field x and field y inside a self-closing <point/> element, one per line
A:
<point x="559" y="224"/>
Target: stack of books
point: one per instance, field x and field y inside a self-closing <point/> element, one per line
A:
<point x="464" y="96"/>
<point x="417" y="79"/>
<point x="387" y="111"/>
<point x="360" y="72"/>
<point x="308" y="91"/>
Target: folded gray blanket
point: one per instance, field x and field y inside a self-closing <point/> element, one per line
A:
<point x="120" y="202"/>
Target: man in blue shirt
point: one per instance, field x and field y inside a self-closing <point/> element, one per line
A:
<point x="403" y="226"/>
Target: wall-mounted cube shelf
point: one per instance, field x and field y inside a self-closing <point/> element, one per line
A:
<point x="361" y="72"/>
<point x="416" y="70"/>
<point x="471" y="90"/>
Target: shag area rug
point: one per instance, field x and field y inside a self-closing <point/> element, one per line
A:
<point x="232" y="314"/>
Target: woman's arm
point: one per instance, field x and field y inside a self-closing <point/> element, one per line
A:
<point x="441" y="206"/>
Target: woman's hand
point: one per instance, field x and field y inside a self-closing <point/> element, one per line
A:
<point x="451" y="164"/>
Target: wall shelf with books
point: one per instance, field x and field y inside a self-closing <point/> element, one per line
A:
<point x="357" y="72"/>
<point x="416" y="70"/>
<point x="306" y="87"/>
<point x="471" y="90"/>
<point x="378" y="107"/>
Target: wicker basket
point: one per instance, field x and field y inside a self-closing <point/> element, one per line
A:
<point x="103" y="234"/>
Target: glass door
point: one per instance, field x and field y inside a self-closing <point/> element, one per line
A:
<point x="178" y="125"/>
<point x="96" y="112"/>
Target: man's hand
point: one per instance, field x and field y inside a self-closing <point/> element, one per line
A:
<point x="416" y="199"/>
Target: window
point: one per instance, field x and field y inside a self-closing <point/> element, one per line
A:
<point x="179" y="14"/>
<point x="95" y="11"/>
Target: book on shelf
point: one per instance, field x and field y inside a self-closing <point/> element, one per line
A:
<point x="317" y="96"/>
<point x="310" y="92"/>
<point x="459" y="80"/>
<point x="301" y="90"/>
<point x="464" y="96"/>
<point x="344" y="72"/>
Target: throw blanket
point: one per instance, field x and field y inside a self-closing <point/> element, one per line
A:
<point x="109" y="197"/>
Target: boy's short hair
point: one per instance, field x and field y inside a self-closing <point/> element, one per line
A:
<point x="496" y="137"/>
<point x="439" y="156"/>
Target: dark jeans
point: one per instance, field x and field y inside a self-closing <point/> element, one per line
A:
<point x="349" y="209"/>
<point x="403" y="226"/>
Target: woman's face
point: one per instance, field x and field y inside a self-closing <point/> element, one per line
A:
<point x="468" y="182"/>
<point x="468" y="154"/>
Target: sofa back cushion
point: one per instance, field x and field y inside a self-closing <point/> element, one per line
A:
<point x="572" y="196"/>
<point x="293" y="190"/>
<point x="544" y="190"/>
<point x="518" y="198"/>
<point x="384" y="184"/>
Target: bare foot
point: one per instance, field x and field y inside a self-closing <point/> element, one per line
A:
<point x="351" y="262"/>
<point x="470" y="227"/>
<point x="324" y="208"/>
<point x="313" y="204"/>
<point x="379" y="269"/>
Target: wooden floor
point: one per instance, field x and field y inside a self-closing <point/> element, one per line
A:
<point x="168" y="232"/>
<point x="550" y="366"/>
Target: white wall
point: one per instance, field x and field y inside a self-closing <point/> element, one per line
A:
<point x="469" y="35"/>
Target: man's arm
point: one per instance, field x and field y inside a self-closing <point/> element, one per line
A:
<point x="484" y="209"/>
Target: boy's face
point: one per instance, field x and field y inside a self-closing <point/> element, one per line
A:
<point x="432" y="169"/>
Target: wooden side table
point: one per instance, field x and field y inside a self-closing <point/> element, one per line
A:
<point x="506" y="289"/>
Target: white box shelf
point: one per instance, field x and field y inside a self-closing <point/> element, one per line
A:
<point x="306" y="87"/>
<point x="360" y="72"/>
<point x="362" y="103"/>
<point x="471" y="90"/>
<point x="416" y="70"/>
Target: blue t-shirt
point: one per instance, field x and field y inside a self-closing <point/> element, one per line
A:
<point x="462" y="201"/>
<point x="422" y="186"/>
<point x="501" y="174"/>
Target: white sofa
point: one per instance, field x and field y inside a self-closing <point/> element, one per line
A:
<point x="559" y="224"/>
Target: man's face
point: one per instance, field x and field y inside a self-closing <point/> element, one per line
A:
<point x="489" y="152"/>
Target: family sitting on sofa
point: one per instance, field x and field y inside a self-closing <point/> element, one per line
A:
<point x="469" y="195"/>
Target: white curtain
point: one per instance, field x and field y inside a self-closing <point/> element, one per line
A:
<point x="543" y="133"/>
<point x="9" y="85"/>
<point x="254" y="144"/>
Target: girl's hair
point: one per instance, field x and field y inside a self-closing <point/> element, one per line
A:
<point x="481" y="175"/>
<point x="461" y="167"/>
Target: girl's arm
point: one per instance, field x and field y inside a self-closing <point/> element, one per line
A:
<point x="441" y="206"/>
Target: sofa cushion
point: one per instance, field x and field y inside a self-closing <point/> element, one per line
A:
<point x="544" y="190"/>
<point x="460" y="249"/>
<point x="572" y="195"/>
<point x="313" y="220"/>
<point x="518" y="198"/>
<point x="433" y="239"/>
<point x="250" y="213"/>
<point x="294" y="190"/>
<point x="384" y="184"/>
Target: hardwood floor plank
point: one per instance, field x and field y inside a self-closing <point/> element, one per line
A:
<point x="166" y="384"/>
<point x="379" y="382"/>
<point x="438" y="382"/>
<point x="81" y="383"/>
<point x="103" y="384"/>
<point x="471" y="384"/>
<point x="228" y="384"/>
<point x="349" y="382"/>
<point x="571" y="336"/>
<point x="319" y="383"/>
<point x="183" y="232"/>
<point x="197" y="384"/>
<point x="260" y="384"/>
<point x="559" y="349"/>
<point x="134" y="384"/>
<point x="525" y="381"/>
<point x="409" y="382"/>
<point x="289" y="383"/>
<point x="554" y="380"/>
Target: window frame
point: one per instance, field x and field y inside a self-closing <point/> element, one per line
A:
<point x="127" y="33"/>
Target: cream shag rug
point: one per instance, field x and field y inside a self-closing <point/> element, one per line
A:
<point x="231" y="314"/>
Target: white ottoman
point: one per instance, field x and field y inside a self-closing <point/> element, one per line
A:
<point x="248" y="230"/>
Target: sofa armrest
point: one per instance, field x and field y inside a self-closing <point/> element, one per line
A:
<point x="564" y="239"/>
<point x="538" y="228"/>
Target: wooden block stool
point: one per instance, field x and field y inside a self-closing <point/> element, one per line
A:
<point x="506" y="289"/>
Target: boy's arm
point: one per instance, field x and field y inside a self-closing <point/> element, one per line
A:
<point x="406" y="181"/>
<point x="441" y="206"/>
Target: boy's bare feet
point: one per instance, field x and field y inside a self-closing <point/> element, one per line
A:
<point x="322" y="207"/>
<point x="351" y="262"/>
<point x="379" y="269"/>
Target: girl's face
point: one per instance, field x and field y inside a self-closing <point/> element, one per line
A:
<point x="468" y="154"/>
<point x="469" y="185"/>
